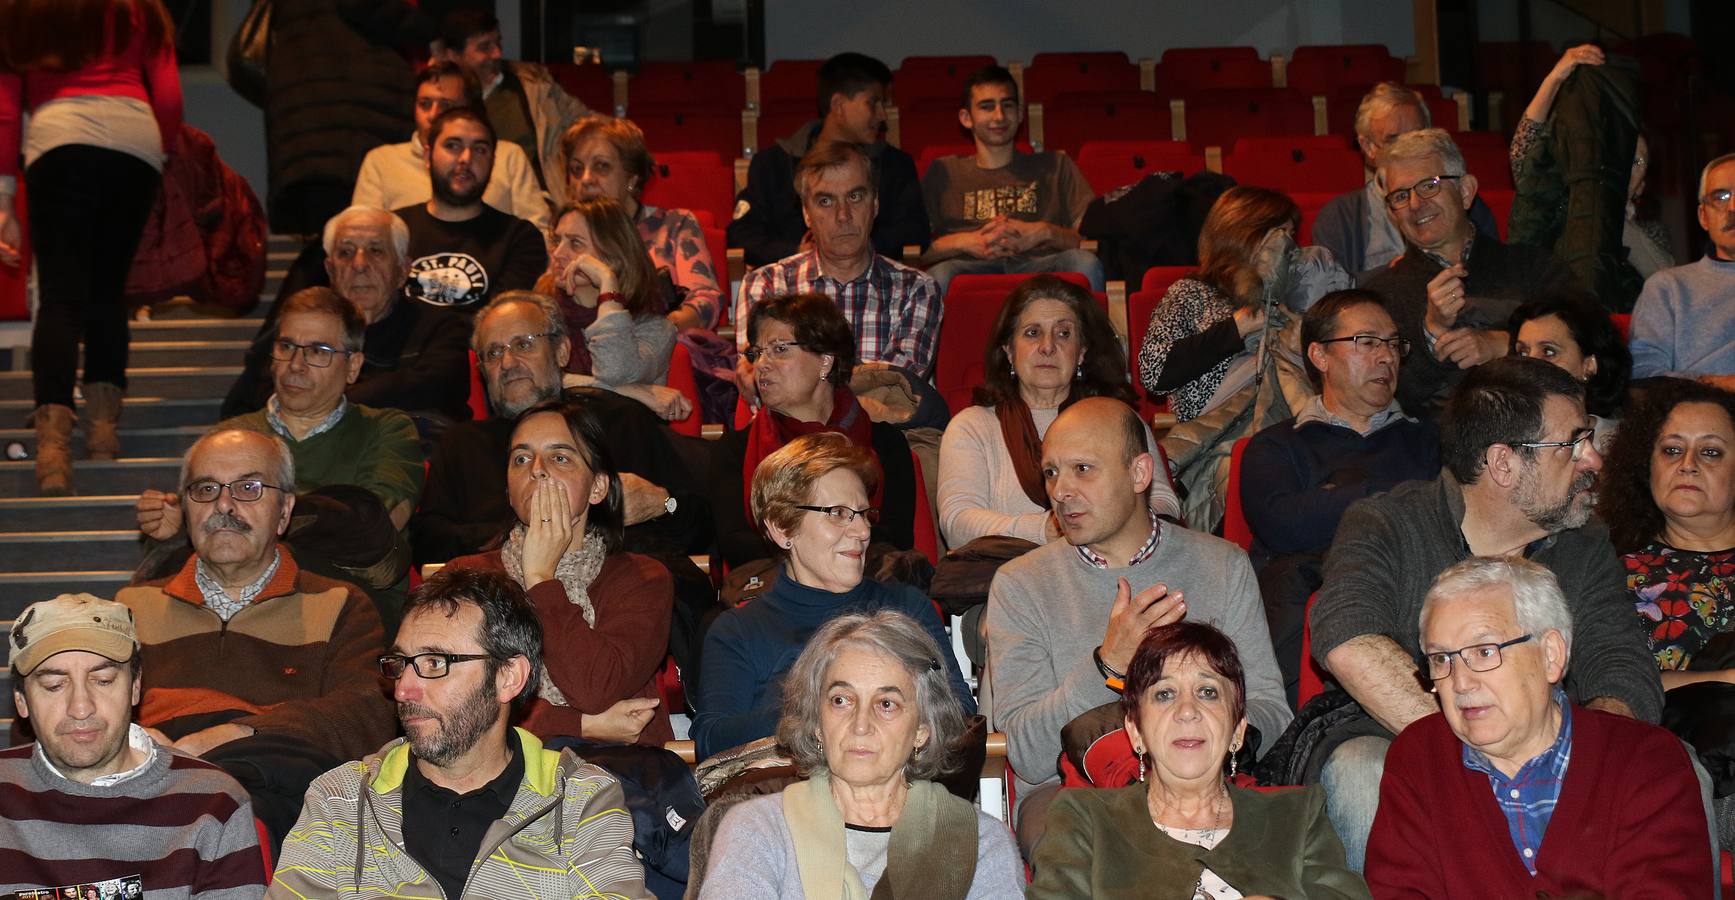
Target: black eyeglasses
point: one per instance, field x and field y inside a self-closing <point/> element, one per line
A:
<point x="427" y="665"/>
<point x="1577" y="442"/>
<point x="778" y="350"/>
<point x="519" y="346"/>
<point x="844" y="516"/>
<point x="1426" y="189"/>
<point x="1479" y="657"/>
<point x="246" y="490"/>
<point x="317" y="355"/>
<point x="1367" y="343"/>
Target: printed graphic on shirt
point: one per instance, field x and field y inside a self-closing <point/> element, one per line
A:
<point x="1011" y="199"/>
<point x="127" y="887"/>
<point x="447" y="279"/>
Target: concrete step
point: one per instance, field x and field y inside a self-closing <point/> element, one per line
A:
<point x="68" y="513"/>
<point x="200" y="329"/>
<point x="167" y="381"/>
<point x="52" y="551"/>
<point x="20" y="589"/>
<point x="139" y="412"/>
<point x="159" y="354"/>
<point x="170" y="441"/>
<point x="94" y="478"/>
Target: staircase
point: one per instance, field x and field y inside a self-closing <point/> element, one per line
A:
<point x="179" y="370"/>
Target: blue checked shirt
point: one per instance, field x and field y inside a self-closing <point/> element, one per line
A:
<point x="893" y="309"/>
<point x="1528" y="798"/>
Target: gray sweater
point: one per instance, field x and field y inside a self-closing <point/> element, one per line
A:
<point x="1684" y="322"/>
<point x="1390" y="547"/>
<point x="1048" y="609"/>
<point x="625" y="350"/>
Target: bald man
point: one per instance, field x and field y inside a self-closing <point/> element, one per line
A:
<point x="1064" y="619"/>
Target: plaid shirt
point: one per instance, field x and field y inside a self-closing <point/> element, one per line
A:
<point x="1528" y="798"/>
<point x="1098" y="561"/>
<point x="893" y="309"/>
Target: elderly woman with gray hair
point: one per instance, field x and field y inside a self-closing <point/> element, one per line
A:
<point x="869" y="717"/>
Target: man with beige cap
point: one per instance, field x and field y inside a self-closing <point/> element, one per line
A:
<point x="96" y="801"/>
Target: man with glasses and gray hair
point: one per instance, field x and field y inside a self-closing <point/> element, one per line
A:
<point x="1684" y="322"/>
<point x="1453" y="289"/>
<point x="251" y="661"/>
<point x="1520" y="472"/>
<point x="1592" y="803"/>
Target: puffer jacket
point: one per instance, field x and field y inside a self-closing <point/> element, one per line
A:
<point x="566" y="834"/>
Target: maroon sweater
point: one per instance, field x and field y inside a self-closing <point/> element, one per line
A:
<point x="1629" y="822"/>
<point x="634" y="597"/>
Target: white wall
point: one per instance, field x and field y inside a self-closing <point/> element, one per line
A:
<point x="1017" y="29"/>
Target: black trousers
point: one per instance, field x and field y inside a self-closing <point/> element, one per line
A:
<point x="88" y="207"/>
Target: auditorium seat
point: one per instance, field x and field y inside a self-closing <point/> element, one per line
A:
<point x="593" y="85"/>
<point x="1311" y="202"/>
<point x="698" y="180"/>
<point x="1216" y="117"/>
<point x="1499" y="202"/>
<point x="671" y="130"/>
<point x="1304" y="163"/>
<point x="1110" y="164"/>
<point x="929" y="77"/>
<point x="933" y="120"/>
<point x="1070" y="120"/>
<point x="1321" y="69"/>
<point x="971" y="304"/>
<point x="1486" y="157"/>
<point x="1184" y="71"/>
<point x="1052" y="74"/>
<point x="790" y="79"/>
<point x="712" y="85"/>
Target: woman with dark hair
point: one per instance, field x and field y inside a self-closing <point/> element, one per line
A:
<point x="803" y="352"/>
<point x="1574" y="332"/>
<point x="1201" y="346"/>
<point x="609" y="295"/>
<point x="99" y="81"/>
<point x="1051" y="345"/>
<point x="1184" y="831"/>
<point x="605" y="612"/>
<point x="607" y="158"/>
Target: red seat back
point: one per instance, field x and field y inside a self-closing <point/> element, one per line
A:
<point x="1486" y="156"/>
<point x="1215" y="118"/>
<point x="1500" y="204"/>
<point x="264" y="847"/>
<point x="696" y="180"/>
<point x="1311" y="203"/>
<point x="1052" y="74"/>
<point x="1319" y="169"/>
<point x="791" y="79"/>
<point x="972" y="303"/>
<point x="478" y="391"/>
<point x="925" y="77"/>
<point x="929" y="121"/>
<point x="593" y="85"/>
<point x="1070" y="120"/>
<point x="714" y="129"/>
<point x="690" y="86"/>
<point x="14" y="302"/>
<point x="1624" y="325"/>
<point x="1320" y="69"/>
<point x="927" y="538"/>
<point x="1235" y="527"/>
<point x="1184" y="71"/>
<point x="1110" y="164"/>
<point x="1313" y="675"/>
<point x="681" y="379"/>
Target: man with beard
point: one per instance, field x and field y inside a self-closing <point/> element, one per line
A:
<point x="96" y="799"/>
<point x="1065" y="619"/>
<point x="1684" y="322"/>
<point x="463" y="806"/>
<point x="1520" y="472"/>
<point x="463" y="251"/>
<point x="252" y="662"/>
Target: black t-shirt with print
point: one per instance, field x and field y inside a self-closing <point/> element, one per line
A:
<point x="464" y="264"/>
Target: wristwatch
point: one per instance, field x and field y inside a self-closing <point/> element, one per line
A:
<point x="669" y="505"/>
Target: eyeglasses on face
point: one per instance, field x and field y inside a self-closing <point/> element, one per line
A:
<point x="1718" y="197"/>
<point x="520" y="346"/>
<point x="1368" y="343"/>
<point x="1578" y="442"/>
<point x="245" y="490"/>
<point x="427" y="665"/>
<point x="845" y="516"/>
<point x="1426" y="189"/>
<point x="317" y="355"/>
<point x="1479" y="657"/>
<point x="777" y="350"/>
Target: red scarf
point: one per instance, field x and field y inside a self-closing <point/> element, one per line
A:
<point x="1024" y="445"/>
<point x="770" y="430"/>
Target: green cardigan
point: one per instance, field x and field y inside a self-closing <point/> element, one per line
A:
<point x="1101" y="844"/>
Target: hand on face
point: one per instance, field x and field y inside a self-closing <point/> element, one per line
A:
<point x="549" y="530"/>
<point x="587" y="270"/>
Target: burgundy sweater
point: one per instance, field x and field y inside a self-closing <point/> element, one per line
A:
<point x="1629" y="822"/>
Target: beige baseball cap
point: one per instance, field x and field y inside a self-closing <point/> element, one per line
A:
<point x="70" y="622"/>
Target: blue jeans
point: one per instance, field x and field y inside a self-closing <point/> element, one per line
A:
<point x="1083" y="262"/>
<point x="1351" y="779"/>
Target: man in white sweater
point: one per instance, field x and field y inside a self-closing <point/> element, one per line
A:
<point x="1064" y="618"/>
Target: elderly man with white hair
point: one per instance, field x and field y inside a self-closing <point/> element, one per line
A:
<point x="1684" y="321"/>
<point x="1453" y="289"/>
<point x="416" y="355"/>
<point x="1514" y="790"/>
<point x="1355" y="226"/>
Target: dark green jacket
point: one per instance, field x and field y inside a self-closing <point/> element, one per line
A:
<point x="1101" y="844"/>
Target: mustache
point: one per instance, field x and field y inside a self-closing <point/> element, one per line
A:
<point x="220" y="520"/>
<point x="408" y="710"/>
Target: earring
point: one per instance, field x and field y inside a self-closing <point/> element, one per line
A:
<point x="819" y="743"/>
<point x="1141" y="754"/>
<point x="1231" y="766"/>
<point x="1079" y="372"/>
<point x="1013" y="370"/>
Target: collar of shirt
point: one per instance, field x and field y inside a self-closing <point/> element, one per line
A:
<point x="1527" y="799"/>
<point x="1314" y="411"/>
<point x="219" y="600"/>
<point x="492" y="86"/>
<point x="325" y="424"/>
<point x="1463" y="259"/>
<point x="1096" y="560"/>
<point x="137" y="738"/>
<point x="812" y="272"/>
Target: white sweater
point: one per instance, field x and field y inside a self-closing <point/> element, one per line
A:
<point x="979" y="493"/>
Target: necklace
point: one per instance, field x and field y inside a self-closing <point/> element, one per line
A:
<point x="1204" y="837"/>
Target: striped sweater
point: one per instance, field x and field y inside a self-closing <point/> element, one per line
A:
<point x="182" y="827"/>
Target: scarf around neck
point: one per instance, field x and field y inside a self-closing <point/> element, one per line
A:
<point x="1024" y="445"/>
<point x="575" y="571"/>
<point x="932" y="854"/>
<point x="770" y="430"/>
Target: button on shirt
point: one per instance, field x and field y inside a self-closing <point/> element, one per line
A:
<point x="443" y="830"/>
<point x="893" y="310"/>
<point x="1527" y="799"/>
<point x="1098" y="561"/>
<point x="218" y="600"/>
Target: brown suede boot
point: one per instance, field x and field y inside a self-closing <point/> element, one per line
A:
<point x="102" y="402"/>
<point x="53" y="450"/>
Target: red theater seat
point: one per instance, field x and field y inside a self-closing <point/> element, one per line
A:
<point x="1292" y="166"/>
<point x="669" y="130"/>
<point x="1109" y="164"/>
<point x="698" y="180"/>
<point x="591" y="84"/>
<point x="710" y="85"/>
<point x="930" y="121"/>
<point x="1052" y="74"/>
<point x="1321" y="69"/>
<point x="1071" y="120"/>
<point x="929" y="77"/>
<point x="790" y="79"/>
<point x="1184" y="71"/>
<point x="972" y="302"/>
<point x="1216" y="118"/>
<point x="1486" y="156"/>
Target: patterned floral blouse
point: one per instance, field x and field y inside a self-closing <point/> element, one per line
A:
<point x="1682" y="597"/>
<point x="677" y="243"/>
<point x="1189" y="308"/>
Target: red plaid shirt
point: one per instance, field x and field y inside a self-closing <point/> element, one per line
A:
<point x="893" y="309"/>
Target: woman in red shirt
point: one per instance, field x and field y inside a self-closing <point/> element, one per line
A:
<point x="99" y="80"/>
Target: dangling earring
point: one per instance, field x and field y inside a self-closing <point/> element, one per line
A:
<point x="1141" y="752"/>
<point x="1079" y="372"/>
<point x="1231" y="767"/>
<point x="1013" y="370"/>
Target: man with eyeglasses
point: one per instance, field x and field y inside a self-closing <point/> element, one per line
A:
<point x="1521" y="470"/>
<point x="1349" y="441"/>
<point x="1453" y="290"/>
<point x="1684" y="321"/>
<point x="463" y="805"/>
<point x="251" y="661"/>
<point x="1592" y="804"/>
